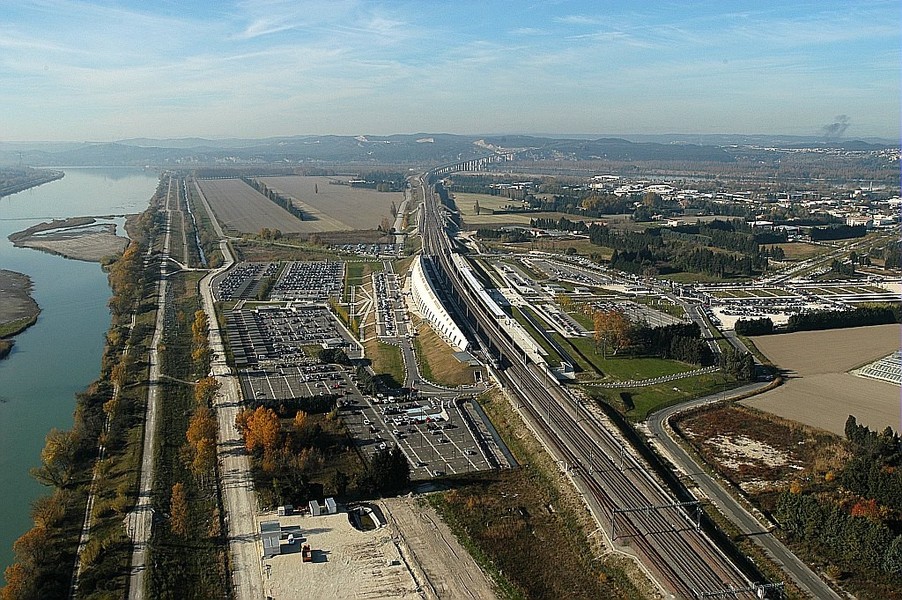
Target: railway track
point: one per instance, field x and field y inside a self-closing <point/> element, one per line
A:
<point x="620" y="489"/>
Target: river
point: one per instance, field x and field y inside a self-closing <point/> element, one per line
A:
<point x="59" y="355"/>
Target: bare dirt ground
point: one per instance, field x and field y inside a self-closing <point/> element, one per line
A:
<point x="240" y="207"/>
<point x="819" y="391"/>
<point x="336" y="207"/>
<point x="413" y="556"/>
<point x="91" y="247"/>
<point x="79" y="238"/>
<point x="450" y="572"/>
<point x="15" y="301"/>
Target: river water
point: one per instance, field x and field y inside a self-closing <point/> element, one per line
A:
<point x="59" y="355"/>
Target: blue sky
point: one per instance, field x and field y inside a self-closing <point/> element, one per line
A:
<point x="73" y="70"/>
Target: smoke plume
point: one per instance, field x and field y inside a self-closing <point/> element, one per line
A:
<point x="834" y="130"/>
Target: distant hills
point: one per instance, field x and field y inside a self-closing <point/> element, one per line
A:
<point x="414" y="149"/>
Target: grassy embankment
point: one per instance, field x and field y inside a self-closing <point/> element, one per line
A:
<point x="436" y="359"/>
<point x="385" y="359"/>
<point x="528" y="528"/>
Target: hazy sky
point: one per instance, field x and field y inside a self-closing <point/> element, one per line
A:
<point x="74" y="70"/>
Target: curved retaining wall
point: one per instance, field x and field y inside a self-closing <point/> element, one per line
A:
<point x="426" y="300"/>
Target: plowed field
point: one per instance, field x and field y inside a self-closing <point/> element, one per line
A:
<point x="335" y="207"/>
<point x="240" y="207"/>
<point x="819" y="391"/>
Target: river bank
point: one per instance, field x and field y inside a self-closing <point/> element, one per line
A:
<point x="59" y="357"/>
<point x="18" y="310"/>
<point x="12" y="183"/>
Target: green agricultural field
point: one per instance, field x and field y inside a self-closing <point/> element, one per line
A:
<point x="582" y="247"/>
<point x="474" y="221"/>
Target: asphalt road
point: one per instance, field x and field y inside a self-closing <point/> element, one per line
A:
<point x="803" y="576"/>
<point x="239" y="498"/>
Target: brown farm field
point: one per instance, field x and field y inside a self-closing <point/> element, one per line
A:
<point x="466" y="203"/>
<point x="240" y="207"/>
<point x="800" y="250"/>
<point x="335" y="207"/>
<point x="819" y="391"/>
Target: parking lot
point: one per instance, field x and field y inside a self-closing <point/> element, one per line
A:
<point x="431" y="432"/>
<point x="377" y="250"/>
<point x="268" y="343"/>
<point x="276" y="334"/>
<point x="391" y="316"/>
<point x="242" y="282"/>
<point x="566" y="272"/>
<point x="304" y="380"/>
<point x="434" y="435"/>
<point x="310" y="281"/>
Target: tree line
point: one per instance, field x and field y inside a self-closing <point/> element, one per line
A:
<point x="280" y="200"/>
<point x="877" y="313"/>
<point x="651" y="253"/>
<point x="837" y="232"/>
<point x="680" y="341"/>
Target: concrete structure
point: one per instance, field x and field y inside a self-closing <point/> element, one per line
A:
<point x="331" y="507"/>
<point x="314" y="508"/>
<point x="430" y="307"/>
<point x="270" y="531"/>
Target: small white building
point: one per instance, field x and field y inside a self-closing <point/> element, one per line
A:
<point x="331" y="507"/>
<point x="270" y="531"/>
<point x="314" y="508"/>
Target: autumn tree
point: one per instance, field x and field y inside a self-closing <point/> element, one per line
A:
<point x="178" y="511"/>
<point x="564" y="301"/>
<point x="200" y="452"/>
<point x="57" y="458"/>
<point x="200" y="328"/>
<point x="119" y="372"/>
<point x="205" y="390"/>
<point x="261" y="428"/>
<point x="611" y="330"/>
<point x="48" y="511"/>
<point x="202" y="425"/>
<point x="125" y="279"/>
<point x="200" y="347"/>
